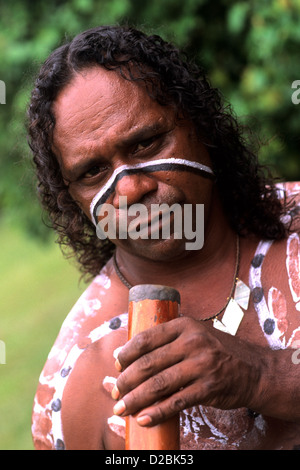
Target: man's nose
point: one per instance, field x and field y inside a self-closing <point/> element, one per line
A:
<point x="134" y="187"/>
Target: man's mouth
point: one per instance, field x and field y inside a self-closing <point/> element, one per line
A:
<point x="159" y="222"/>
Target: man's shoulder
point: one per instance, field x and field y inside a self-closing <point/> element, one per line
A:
<point x="97" y="320"/>
<point x="289" y="189"/>
<point x="104" y="300"/>
<point x="289" y="193"/>
<point x="275" y="280"/>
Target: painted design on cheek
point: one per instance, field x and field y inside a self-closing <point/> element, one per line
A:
<point x="167" y="164"/>
<point x="293" y="267"/>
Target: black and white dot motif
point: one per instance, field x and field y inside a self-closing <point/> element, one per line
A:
<point x="266" y="318"/>
<point x="65" y="372"/>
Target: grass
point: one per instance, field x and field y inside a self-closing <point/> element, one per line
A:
<point x="38" y="288"/>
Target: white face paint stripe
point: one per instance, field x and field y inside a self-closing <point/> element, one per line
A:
<point x="163" y="164"/>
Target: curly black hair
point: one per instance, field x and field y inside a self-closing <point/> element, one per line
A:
<point x="247" y="189"/>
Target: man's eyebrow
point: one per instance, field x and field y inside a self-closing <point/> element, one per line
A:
<point x="72" y="173"/>
<point x="136" y="136"/>
<point x="143" y="133"/>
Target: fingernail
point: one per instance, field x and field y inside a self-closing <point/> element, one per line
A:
<point x="118" y="365"/>
<point x="119" y="407"/>
<point x="115" y="393"/>
<point x="144" y="420"/>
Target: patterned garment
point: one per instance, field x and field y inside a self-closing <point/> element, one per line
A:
<point x="201" y="427"/>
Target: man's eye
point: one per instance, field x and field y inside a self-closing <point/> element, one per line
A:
<point x="144" y="144"/>
<point x="95" y="170"/>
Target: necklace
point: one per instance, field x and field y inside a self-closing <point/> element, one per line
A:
<point x="238" y="297"/>
<point x="120" y="275"/>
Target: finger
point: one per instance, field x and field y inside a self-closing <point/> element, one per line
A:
<point x="169" y="407"/>
<point x="146" y="341"/>
<point x="148" y="366"/>
<point x="155" y="388"/>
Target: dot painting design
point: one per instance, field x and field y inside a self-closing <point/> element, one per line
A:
<point x="65" y="372"/>
<point x="266" y="318"/>
<point x="257" y="260"/>
<point x="115" y="323"/>
<point x="269" y="326"/>
<point x="257" y="294"/>
<point x="59" y="445"/>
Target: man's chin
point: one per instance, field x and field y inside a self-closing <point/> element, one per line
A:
<point x="155" y="250"/>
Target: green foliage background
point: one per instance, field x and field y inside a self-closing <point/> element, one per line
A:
<point x="250" y="50"/>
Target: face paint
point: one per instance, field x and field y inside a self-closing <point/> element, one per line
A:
<point x="168" y="164"/>
<point x="117" y="425"/>
<point x="293" y="267"/>
<point x="266" y="317"/>
<point x="278" y="308"/>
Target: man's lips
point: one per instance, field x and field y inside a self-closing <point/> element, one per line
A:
<point x="155" y="220"/>
<point x="159" y="216"/>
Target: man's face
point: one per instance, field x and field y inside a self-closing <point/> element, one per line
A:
<point x="103" y="122"/>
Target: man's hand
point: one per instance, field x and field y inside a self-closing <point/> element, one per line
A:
<point x="179" y="364"/>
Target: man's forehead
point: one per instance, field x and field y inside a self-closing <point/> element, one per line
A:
<point x="99" y="95"/>
<point x="91" y="88"/>
<point x="99" y="110"/>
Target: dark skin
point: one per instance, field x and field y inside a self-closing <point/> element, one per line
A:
<point x="102" y="122"/>
<point x="212" y="378"/>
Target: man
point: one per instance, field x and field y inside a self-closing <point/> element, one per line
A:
<point x="116" y="114"/>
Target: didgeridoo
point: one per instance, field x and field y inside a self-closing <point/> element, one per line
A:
<point x="150" y="305"/>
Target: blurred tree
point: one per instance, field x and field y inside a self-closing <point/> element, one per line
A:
<point x="250" y="50"/>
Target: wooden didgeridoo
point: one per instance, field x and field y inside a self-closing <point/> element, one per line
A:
<point x="150" y="305"/>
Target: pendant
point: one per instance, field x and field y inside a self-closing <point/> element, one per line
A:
<point x="232" y="317"/>
<point x="234" y="314"/>
<point x="231" y="320"/>
<point x="242" y="294"/>
<point x="219" y="326"/>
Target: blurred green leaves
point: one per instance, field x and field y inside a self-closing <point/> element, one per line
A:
<point x="250" y="50"/>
